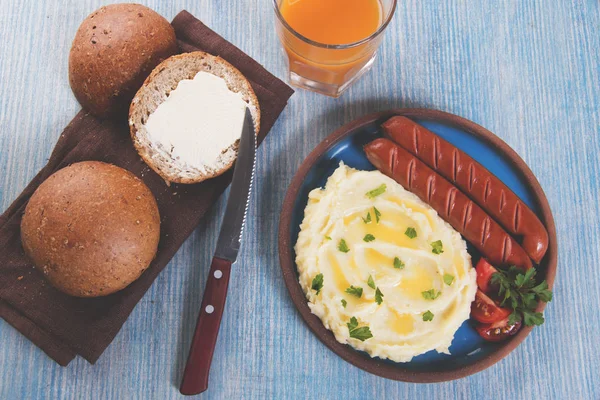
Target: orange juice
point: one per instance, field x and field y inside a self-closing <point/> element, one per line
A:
<point x="332" y="21"/>
<point x="335" y="60"/>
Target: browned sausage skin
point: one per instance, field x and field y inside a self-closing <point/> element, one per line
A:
<point x="489" y="192"/>
<point x="464" y="215"/>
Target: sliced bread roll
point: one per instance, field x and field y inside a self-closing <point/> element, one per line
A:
<point x="218" y="147"/>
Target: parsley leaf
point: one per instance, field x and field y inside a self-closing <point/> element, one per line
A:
<point x="355" y="291"/>
<point x="427" y="316"/>
<point x="378" y="296"/>
<point x="377" y="191"/>
<point x="513" y="318"/>
<point x="353" y="324"/>
<point x="529" y="300"/>
<point x="533" y="318"/>
<point x="519" y="292"/>
<point x="369" y="238"/>
<point x="529" y="275"/>
<point x="343" y="247"/>
<point x="317" y="283"/>
<point x="398" y="264"/>
<point x="327" y="237"/>
<point x="367" y="219"/>
<point x="411" y="232"/>
<point x="377" y="214"/>
<point x="448" y="279"/>
<point x="344" y="303"/>
<point x="431" y="294"/>
<point x="371" y="282"/>
<point x="363" y="333"/>
<point x="437" y="247"/>
<point x="542" y="292"/>
<point x="524" y="279"/>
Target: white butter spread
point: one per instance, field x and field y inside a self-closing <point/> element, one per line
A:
<point x="376" y="249"/>
<point x="199" y="119"/>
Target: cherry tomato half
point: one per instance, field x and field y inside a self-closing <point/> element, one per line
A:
<point x="497" y="331"/>
<point x="484" y="310"/>
<point x="485" y="270"/>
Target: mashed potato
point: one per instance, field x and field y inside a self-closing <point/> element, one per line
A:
<point x="365" y="232"/>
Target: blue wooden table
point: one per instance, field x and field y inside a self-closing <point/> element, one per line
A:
<point x="527" y="70"/>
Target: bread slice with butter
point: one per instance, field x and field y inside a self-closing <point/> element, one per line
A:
<point x="186" y="120"/>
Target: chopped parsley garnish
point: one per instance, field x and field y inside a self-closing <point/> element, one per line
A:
<point x="353" y="324"/>
<point x="355" y="291"/>
<point x="398" y="264"/>
<point x="518" y="290"/>
<point x="427" y="316"/>
<point x="378" y="296"/>
<point x="343" y="247"/>
<point x="448" y="279"/>
<point x="377" y="214"/>
<point x="437" y="247"/>
<point x="371" y="282"/>
<point x="377" y="191"/>
<point x="328" y="237"/>
<point x="363" y="333"/>
<point x="344" y="303"/>
<point x="431" y="294"/>
<point x="369" y="238"/>
<point x="367" y="219"/>
<point x="411" y="232"/>
<point x="317" y="283"/>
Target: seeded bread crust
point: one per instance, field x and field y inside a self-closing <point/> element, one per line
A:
<point x="91" y="228"/>
<point x="165" y="78"/>
<point x="114" y="50"/>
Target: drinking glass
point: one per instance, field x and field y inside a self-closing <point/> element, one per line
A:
<point x="329" y="69"/>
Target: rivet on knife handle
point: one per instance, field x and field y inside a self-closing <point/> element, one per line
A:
<point x="195" y="376"/>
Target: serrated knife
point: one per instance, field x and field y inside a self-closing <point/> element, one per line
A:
<point x="195" y="376"/>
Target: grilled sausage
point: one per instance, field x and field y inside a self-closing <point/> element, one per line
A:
<point x="489" y="192"/>
<point x="493" y="242"/>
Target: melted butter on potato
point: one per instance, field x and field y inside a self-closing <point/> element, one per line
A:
<point x="342" y="210"/>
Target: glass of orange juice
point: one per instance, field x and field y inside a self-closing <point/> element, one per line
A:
<point x="329" y="44"/>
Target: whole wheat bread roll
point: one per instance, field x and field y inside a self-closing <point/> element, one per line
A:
<point x="114" y="50"/>
<point x="91" y="228"/>
<point x="156" y="89"/>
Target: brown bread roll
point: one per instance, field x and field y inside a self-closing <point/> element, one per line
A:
<point x="91" y="228"/>
<point x="114" y="50"/>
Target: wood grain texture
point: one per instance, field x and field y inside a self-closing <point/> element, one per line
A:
<point x="527" y="70"/>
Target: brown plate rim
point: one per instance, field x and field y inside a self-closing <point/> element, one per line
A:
<point x="288" y="265"/>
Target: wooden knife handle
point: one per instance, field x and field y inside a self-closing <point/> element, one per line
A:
<point x="195" y="376"/>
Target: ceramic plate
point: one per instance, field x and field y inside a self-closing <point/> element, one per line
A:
<point x="469" y="352"/>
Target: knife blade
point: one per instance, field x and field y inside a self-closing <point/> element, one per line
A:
<point x="195" y="375"/>
<point x="232" y="227"/>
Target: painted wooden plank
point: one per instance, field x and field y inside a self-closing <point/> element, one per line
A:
<point x="527" y="70"/>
